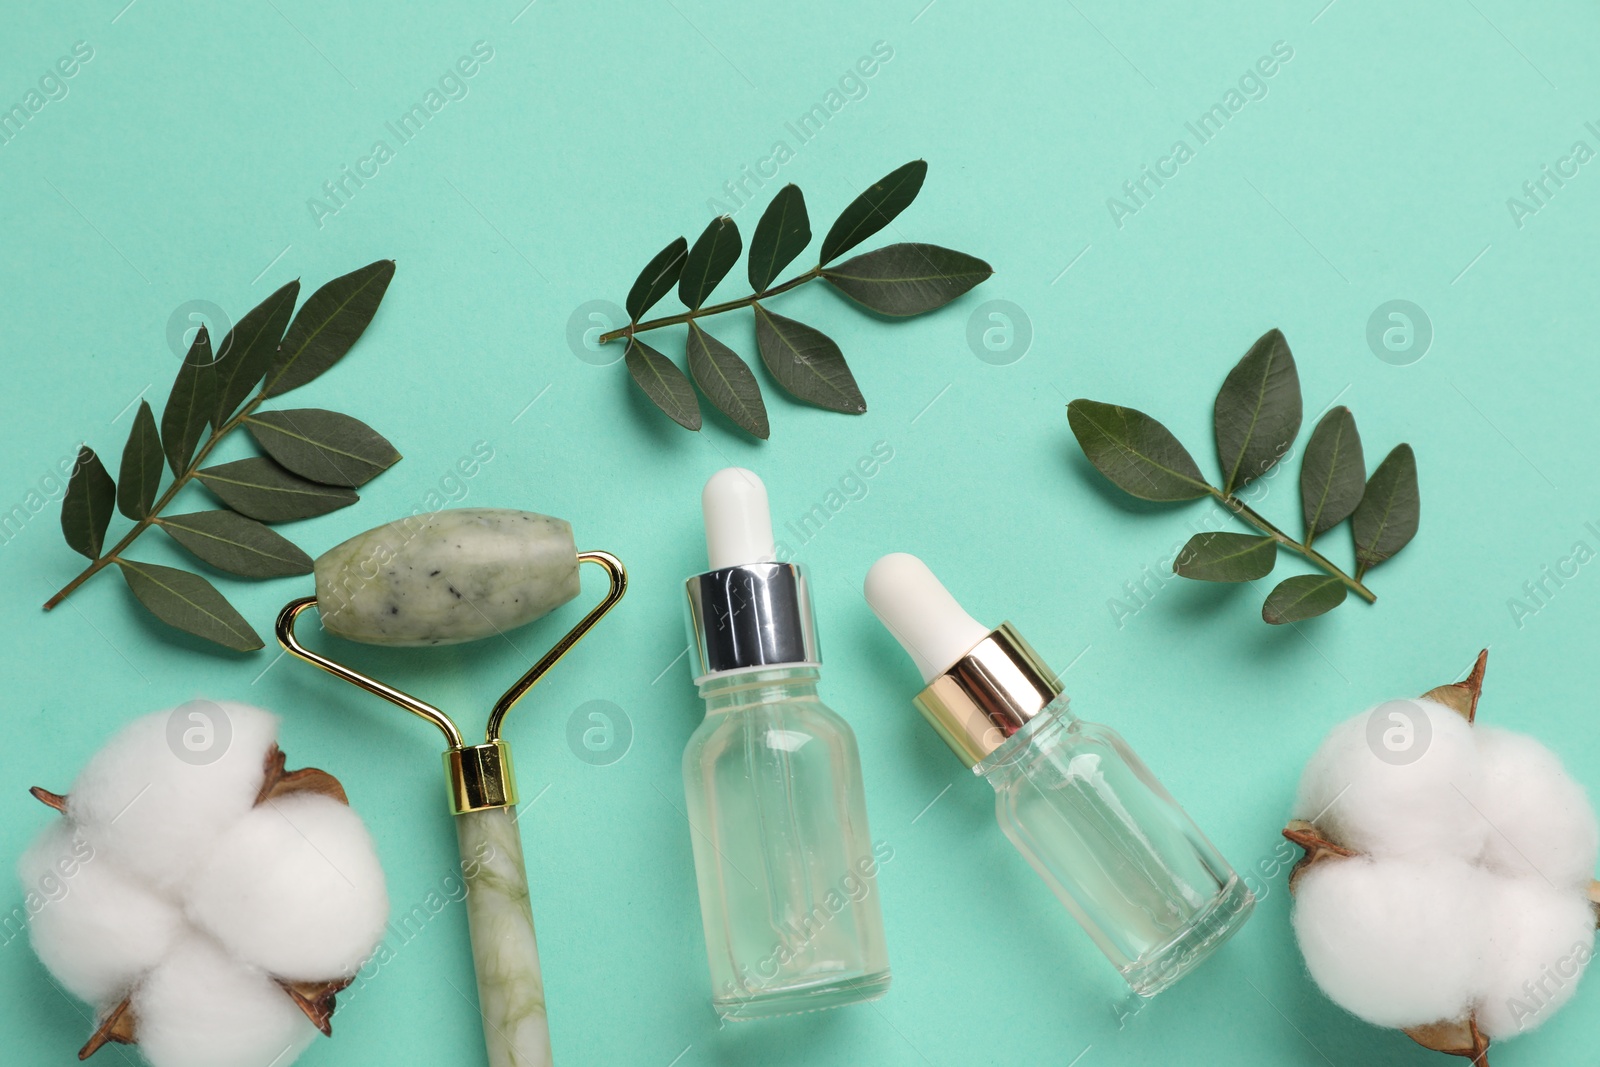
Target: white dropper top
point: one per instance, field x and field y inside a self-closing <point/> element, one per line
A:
<point x="920" y="612"/>
<point x="738" y="519"/>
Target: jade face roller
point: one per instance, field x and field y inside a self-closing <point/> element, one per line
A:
<point x="441" y="579"/>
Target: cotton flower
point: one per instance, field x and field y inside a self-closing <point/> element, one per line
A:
<point x="207" y="903"/>
<point x="1445" y="890"/>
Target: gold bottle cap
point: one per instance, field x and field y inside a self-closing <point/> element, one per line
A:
<point x="988" y="694"/>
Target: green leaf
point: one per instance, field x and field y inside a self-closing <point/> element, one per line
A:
<point x="1333" y="473"/>
<point x="249" y="348"/>
<point x="657" y="278"/>
<point x="1257" y="411"/>
<point x="86" y="508"/>
<point x="663" y="383"/>
<point x="1304" y="596"/>
<point x="907" y="279"/>
<point x="874" y="209"/>
<point x="807" y="363"/>
<point x="783" y="233"/>
<point x="323" y="446"/>
<point x="233" y="543"/>
<point x="727" y="382"/>
<point x="189" y="603"/>
<point x="1226" y="557"/>
<point x="330" y="322"/>
<point x="263" y="490"/>
<point x="1386" y="518"/>
<point x="191" y="405"/>
<point x="140" y="477"/>
<point x="1136" y="452"/>
<point x="715" y="252"/>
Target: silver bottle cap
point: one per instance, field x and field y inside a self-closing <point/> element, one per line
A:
<point x="750" y="616"/>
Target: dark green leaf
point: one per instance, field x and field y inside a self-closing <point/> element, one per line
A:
<point x="324" y="446"/>
<point x="1257" y="412"/>
<point x="331" y="321"/>
<point x="191" y="404"/>
<point x="189" y="603"/>
<point x="783" y="233"/>
<point x="263" y="490"/>
<point x="874" y="209"/>
<point x="1226" y="557"/>
<point x="663" y="383"/>
<point x="1136" y="452"/>
<point x="807" y="363"/>
<point x="236" y="544"/>
<point x="140" y="477"/>
<point x="727" y="382"/>
<point x="907" y="279"/>
<point x="1304" y="596"/>
<point x="86" y="509"/>
<point x="715" y="252"/>
<point x="1386" y="518"/>
<point x="657" y="278"/>
<point x="249" y="349"/>
<point x="1333" y="473"/>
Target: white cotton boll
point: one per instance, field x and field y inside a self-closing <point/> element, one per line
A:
<point x="1543" y="824"/>
<point x="1390" y="939"/>
<point x="158" y="794"/>
<point x="1400" y="779"/>
<point x="1539" y="939"/>
<point x="200" y="1008"/>
<point x="95" y="929"/>
<point x="295" y="887"/>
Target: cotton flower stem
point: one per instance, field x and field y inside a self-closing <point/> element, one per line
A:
<point x="1254" y="518"/>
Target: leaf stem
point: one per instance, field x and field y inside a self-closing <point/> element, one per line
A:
<point x="715" y="309"/>
<point x="139" y="527"/>
<point x="1254" y="518"/>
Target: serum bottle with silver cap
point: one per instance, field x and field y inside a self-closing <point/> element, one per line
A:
<point x="1125" y="859"/>
<point x="783" y="856"/>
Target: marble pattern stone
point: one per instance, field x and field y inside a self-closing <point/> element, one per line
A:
<point x="447" y="577"/>
<point x="504" y="951"/>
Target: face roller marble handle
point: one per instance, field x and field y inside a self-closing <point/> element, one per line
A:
<point x="445" y="578"/>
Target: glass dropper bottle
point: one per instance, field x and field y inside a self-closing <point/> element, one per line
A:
<point x="772" y="777"/>
<point x="1129" y="864"/>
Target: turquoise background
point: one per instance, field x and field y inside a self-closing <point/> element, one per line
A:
<point x="1376" y="167"/>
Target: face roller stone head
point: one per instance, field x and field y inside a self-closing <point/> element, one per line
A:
<point x="440" y="579"/>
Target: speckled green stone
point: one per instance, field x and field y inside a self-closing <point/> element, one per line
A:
<point x="447" y="577"/>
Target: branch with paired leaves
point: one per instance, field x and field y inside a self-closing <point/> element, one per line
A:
<point x="1257" y="418"/>
<point x="899" y="280"/>
<point x="314" y="458"/>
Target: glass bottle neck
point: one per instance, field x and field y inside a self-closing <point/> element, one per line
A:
<point x="1012" y="754"/>
<point x="747" y="689"/>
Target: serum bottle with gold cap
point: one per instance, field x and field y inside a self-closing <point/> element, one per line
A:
<point x="783" y="856"/>
<point x="1124" y="858"/>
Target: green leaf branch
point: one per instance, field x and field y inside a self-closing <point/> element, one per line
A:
<point x="898" y="280"/>
<point x="313" y="461"/>
<point x="1256" y="419"/>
